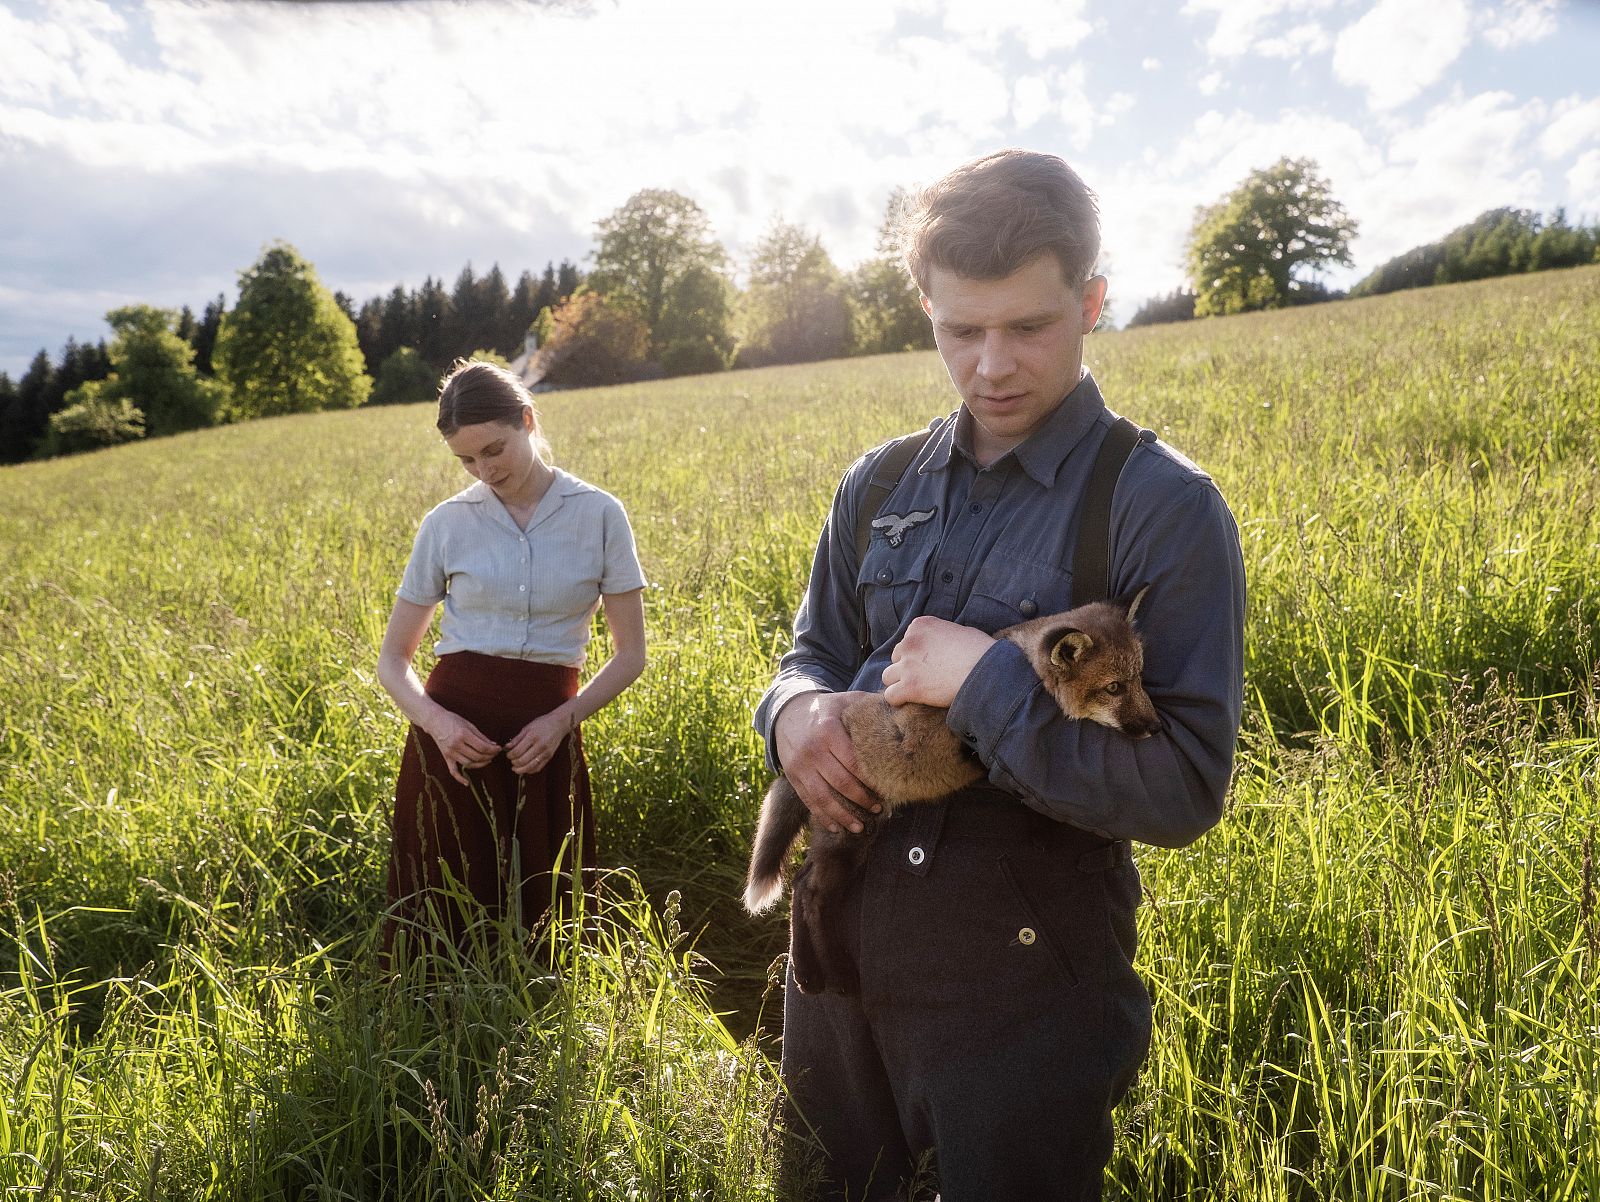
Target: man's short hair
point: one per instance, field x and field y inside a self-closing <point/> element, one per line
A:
<point x="994" y="215"/>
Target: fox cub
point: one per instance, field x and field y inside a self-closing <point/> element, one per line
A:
<point x="1090" y="660"/>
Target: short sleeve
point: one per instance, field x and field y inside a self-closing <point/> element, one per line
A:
<point x="424" y="579"/>
<point x="621" y="573"/>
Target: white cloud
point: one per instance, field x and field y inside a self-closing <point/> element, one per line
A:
<point x="1519" y="22"/>
<point x="1030" y="101"/>
<point x="1298" y="42"/>
<point x="1466" y="155"/>
<point x="1399" y="48"/>
<point x="1210" y="83"/>
<point x="1042" y="26"/>
<point x="1574" y="124"/>
<point x="1151" y="64"/>
<point x="1583" y="187"/>
<point x="1241" y="24"/>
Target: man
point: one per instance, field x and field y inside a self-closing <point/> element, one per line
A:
<point x="999" y="1018"/>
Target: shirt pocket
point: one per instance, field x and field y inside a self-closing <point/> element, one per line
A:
<point x="1012" y="588"/>
<point x="889" y="582"/>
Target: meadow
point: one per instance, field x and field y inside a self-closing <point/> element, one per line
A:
<point x="1376" y="979"/>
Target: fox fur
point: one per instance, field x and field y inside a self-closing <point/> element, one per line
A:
<point x="1090" y="660"/>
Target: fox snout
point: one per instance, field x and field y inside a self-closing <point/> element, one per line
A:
<point x="1140" y="725"/>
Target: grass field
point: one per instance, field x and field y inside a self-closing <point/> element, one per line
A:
<point x="1376" y="979"/>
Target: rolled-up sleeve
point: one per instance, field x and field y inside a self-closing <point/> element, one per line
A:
<point x="1167" y="789"/>
<point x="827" y="626"/>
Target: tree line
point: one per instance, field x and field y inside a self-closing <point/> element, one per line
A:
<point x="1263" y="245"/>
<point x="293" y="346"/>
<point x="661" y="300"/>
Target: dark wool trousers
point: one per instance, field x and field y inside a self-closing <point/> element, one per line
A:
<point x="999" y="1018"/>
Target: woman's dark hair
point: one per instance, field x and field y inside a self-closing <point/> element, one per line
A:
<point x="473" y="392"/>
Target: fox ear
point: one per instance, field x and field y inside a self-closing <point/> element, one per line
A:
<point x="1132" y="604"/>
<point x="1069" y="646"/>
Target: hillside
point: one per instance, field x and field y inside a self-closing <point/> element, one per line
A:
<point x="1376" y="979"/>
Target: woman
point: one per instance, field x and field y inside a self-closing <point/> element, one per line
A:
<point x="493" y="777"/>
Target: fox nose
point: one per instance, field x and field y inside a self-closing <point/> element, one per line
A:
<point x="1143" y="728"/>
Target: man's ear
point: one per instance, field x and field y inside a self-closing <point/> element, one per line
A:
<point x="1094" y="299"/>
<point x="927" y="305"/>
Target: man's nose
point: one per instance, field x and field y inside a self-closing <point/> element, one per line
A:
<point x="995" y="360"/>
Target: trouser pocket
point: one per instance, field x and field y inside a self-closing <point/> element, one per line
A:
<point x="1035" y="931"/>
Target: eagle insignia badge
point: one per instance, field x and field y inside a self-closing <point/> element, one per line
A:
<point x="895" y="525"/>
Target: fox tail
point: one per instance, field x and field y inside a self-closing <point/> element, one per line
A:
<point x="783" y="815"/>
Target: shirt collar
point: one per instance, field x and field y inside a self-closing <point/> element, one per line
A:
<point x="1043" y="452"/>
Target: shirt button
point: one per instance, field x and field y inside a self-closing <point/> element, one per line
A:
<point x="1029" y="607"/>
<point x="883" y="576"/>
<point x="522" y="588"/>
<point x="916" y="855"/>
<point x="948" y="577"/>
<point x="1026" y="936"/>
<point x="977" y="508"/>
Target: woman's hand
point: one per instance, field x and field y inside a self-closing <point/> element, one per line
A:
<point x="463" y="744"/>
<point x="535" y="744"/>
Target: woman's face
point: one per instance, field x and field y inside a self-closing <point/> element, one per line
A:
<point x="498" y="453"/>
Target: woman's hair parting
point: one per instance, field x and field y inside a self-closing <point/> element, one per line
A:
<point x="473" y="392"/>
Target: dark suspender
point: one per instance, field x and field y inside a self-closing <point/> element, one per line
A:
<point x="1091" y="558"/>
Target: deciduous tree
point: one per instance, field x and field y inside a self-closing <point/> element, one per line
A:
<point x="654" y="254"/>
<point x="1254" y="248"/>
<point x="589" y="341"/>
<point x="888" y="306"/>
<point x="287" y="347"/>
<point x="795" y="310"/>
<point x="152" y="368"/>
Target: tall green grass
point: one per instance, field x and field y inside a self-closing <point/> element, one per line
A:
<point x="1377" y="979"/>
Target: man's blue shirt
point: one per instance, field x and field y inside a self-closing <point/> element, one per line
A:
<point x="992" y="546"/>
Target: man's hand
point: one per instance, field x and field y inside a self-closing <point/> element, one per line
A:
<point x="930" y="664"/>
<point x="819" y="759"/>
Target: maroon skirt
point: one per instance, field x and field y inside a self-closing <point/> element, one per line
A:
<point x="463" y="853"/>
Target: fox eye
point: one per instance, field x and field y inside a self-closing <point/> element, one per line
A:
<point x="1114" y="687"/>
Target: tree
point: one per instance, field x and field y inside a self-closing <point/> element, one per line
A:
<point x="25" y="419"/>
<point x="287" y="347"/>
<point x="403" y="378"/>
<point x="204" y="340"/>
<point x="647" y="249"/>
<point x="695" y="335"/>
<point x="887" y="302"/>
<point x="152" y="368"/>
<point x="92" y="421"/>
<point x="796" y="309"/>
<point x="588" y="341"/>
<point x="1245" y="251"/>
<point x="1178" y="305"/>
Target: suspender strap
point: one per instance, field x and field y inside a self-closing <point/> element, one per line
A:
<point x="886" y="474"/>
<point x="1091" y="559"/>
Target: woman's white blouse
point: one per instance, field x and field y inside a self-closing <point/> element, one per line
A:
<point x="522" y="593"/>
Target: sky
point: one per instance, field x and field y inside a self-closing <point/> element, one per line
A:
<point x="150" y="150"/>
